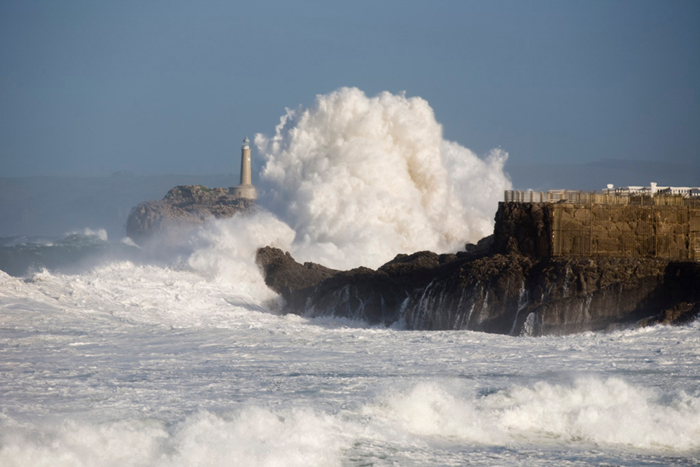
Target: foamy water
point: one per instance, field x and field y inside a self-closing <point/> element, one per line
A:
<point x="128" y="364"/>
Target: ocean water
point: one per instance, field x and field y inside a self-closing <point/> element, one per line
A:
<point x="175" y="353"/>
<point x="122" y="361"/>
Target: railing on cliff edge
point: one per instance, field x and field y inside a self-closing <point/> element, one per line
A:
<point x="596" y="197"/>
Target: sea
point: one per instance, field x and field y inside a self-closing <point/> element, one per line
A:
<point x="112" y="355"/>
<point x="175" y="353"/>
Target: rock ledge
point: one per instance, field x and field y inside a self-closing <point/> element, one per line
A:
<point x="182" y="206"/>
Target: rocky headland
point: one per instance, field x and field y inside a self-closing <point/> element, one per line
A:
<point x="508" y="283"/>
<point x="536" y="275"/>
<point x="183" y="205"/>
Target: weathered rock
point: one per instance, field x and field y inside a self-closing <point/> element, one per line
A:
<point x="524" y="228"/>
<point x="482" y="248"/>
<point x="284" y="275"/>
<point x="682" y="313"/>
<point x="507" y="294"/>
<point x="569" y="229"/>
<point x="184" y="205"/>
<point x="549" y="268"/>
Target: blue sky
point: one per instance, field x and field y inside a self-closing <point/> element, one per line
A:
<point x="94" y="87"/>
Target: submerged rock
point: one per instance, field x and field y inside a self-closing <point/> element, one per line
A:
<point x="183" y="206"/>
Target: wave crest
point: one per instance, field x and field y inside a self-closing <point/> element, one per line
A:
<point x="361" y="179"/>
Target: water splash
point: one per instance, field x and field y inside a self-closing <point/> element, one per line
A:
<point x="361" y="179"/>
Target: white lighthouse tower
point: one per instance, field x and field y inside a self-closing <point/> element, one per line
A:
<point x="246" y="188"/>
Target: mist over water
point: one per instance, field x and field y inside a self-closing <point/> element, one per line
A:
<point x="360" y="179"/>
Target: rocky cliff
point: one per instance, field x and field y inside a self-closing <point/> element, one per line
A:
<point x="509" y="283"/>
<point x="183" y="205"/>
<point x="506" y="294"/>
<point x="569" y="229"/>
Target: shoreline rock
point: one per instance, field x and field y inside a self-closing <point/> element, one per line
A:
<point x="492" y="292"/>
<point x="183" y="205"/>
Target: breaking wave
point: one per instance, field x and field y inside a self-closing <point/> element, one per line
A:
<point x="393" y="429"/>
<point x="589" y="410"/>
<point x="352" y="180"/>
<point x="361" y="179"/>
<point x="251" y="437"/>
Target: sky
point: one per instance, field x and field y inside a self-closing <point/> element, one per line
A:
<point x="89" y="88"/>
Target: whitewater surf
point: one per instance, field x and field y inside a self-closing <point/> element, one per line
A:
<point x="175" y="353"/>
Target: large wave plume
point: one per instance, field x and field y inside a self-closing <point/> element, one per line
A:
<point x="361" y="179"/>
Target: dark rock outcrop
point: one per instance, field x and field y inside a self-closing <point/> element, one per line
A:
<point x="524" y="228"/>
<point x="285" y="275"/>
<point x="499" y="293"/>
<point x="682" y="313"/>
<point x="183" y="206"/>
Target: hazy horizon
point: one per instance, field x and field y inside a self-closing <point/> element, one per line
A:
<point x="56" y="205"/>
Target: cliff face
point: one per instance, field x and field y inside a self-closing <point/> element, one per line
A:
<point x="183" y="205"/>
<point x="568" y="229"/>
<point x="506" y="294"/>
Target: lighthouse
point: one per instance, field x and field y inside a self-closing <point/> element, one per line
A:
<point x="246" y="188"/>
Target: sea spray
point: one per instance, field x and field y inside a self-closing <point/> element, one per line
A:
<point x="361" y="179"/>
<point x="225" y="249"/>
<point x="205" y="276"/>
<point x="75" y="252"/>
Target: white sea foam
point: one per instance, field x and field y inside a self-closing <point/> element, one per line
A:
<point x="204" y="276"/>
<point x="99" y="233"/>
<point x="147" y="365"/>
<point x="361" y="179"/>
<point x="607" y="413"/>
<point x="225" y="249"/>
<point x="252" y="437"/>
<point x="589" y="410"/>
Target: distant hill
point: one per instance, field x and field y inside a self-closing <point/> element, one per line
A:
<point x="54" y="206"/>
